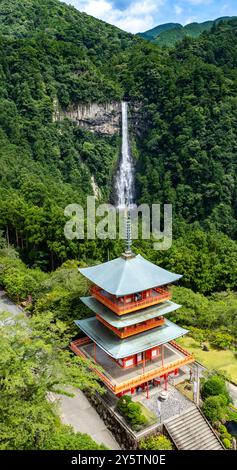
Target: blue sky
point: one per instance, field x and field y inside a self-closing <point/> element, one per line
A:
<point x="140" y="15"/>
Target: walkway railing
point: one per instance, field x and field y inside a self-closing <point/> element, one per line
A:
<point x="179" y="348"/>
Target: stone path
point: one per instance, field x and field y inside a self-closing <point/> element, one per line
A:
<point x="78" y="412"/>
<point x="175" y="404"/>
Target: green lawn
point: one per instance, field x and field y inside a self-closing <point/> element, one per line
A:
<point x="151" y="417"/>
<point x="185" y="391"/>
<point x="225" y="361"/>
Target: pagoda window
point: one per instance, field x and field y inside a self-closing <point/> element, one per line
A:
<point x="129" y="362"/>
<point x="154" y="353"/>
<point x="139" y="358"/>
<point x="137" y="297"/>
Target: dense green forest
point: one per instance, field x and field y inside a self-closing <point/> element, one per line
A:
<point x="51" y="54"/>
<point x="188" y="149"/>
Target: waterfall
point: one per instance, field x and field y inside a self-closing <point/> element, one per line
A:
<point x="125" y="175"/>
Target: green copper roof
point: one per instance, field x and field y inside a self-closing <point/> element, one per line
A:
<point x="130" y="318"/>
<point x="127" y="276"/>
<point x="119" y="348"/>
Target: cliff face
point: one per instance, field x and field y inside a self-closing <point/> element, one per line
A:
<point x="103" y="119"/>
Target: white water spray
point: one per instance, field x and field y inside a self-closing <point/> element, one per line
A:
<point x="125" y="176"/>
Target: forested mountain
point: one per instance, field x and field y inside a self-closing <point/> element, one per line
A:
<point x="188" y="152"/>
<point x="183" y="128"/>
<point x="153" y="33"/>
<point x="170" y="33"/>
<point x="51" y="56"/>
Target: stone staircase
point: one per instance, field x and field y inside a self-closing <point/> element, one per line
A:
<point x="191" y="431"/>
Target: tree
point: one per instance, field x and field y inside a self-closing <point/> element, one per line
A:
<point x="214" y="408"/>
<point x="32" y="363"/>
<point x="215" y="385"/>
<point x="66" y="439"/>
<point x="131" y="411"/>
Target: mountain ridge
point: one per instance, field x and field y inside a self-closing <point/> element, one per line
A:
<point x="168" y="34"/>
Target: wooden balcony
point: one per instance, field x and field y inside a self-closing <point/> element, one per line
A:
<point x="119" y="380"/>
<point x="133" y="329"/>
<point x="128" y="304"/>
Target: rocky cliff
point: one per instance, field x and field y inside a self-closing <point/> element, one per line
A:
<point x="104" y="118"/>
<point x="100" y="118"/>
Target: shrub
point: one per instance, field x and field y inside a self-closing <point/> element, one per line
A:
<point x="226" y="435"/>
<point x="156" y="443"/>
<point x="215" y="385"/>
<point x="222" y="429"/>
<point x="221" y="340"/>
<point x="123" y="402"/>
<point x="224" y="400"/>
<point x="213" y="409"/>
<point x="131" y="411"/>
<point x="134" y="414"/>
<point x="227" y="443"/>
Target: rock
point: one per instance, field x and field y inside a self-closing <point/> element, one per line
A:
<point x="188" y="387"/>
<point x="99" y="118"/>
<point x="234" y="443"/>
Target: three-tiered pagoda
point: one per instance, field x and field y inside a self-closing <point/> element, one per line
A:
<point x="129" y="335"/>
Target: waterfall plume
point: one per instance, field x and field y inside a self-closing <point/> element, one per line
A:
<point x="125" y="175"/>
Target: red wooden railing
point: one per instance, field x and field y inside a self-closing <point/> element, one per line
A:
<point x="133" y="330"/>
<point x="139" y="379"/>
<point x="120" y="308"/>
<point x="75" y="347"/>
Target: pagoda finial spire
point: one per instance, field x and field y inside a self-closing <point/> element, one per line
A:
<point x="128" y="235"/>
<point x="128" y="232"/>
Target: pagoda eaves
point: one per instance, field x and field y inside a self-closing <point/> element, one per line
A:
<point x="131" y="318"/>
<point x="124" y="276"/>
<point x="119" y="348"/>
<point x="129" y="335"/>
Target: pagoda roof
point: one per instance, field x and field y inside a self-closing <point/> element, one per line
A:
<point x="123" y="276"/>
<point x="119" y="348"/>
<point x="131" y="318"/>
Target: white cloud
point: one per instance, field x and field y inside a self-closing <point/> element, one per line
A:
<point x="191" y="19"/>
<point x="138" y="16"/>
<point x="178" y="10"/>
<point x="224" y="8"/>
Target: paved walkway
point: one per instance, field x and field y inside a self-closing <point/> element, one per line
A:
<point x="233" y="393"/>
<point x="78" y="412"/>
<point x="6" y="305"/>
